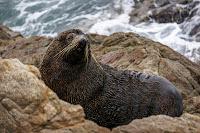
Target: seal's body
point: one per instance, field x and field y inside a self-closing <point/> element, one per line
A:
<point x="109" y="97"/>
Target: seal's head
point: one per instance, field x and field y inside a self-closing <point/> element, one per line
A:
<point x="67" y="56"/>
<point x="71" y="47"/>
<point x="68" y="67"/>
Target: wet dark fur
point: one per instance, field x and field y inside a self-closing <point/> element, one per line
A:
<point x="109" y="97"/>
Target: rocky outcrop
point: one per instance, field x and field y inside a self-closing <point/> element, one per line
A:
<point x="7" y="34"/>
<point x="170" y="13"/>
<point x="162" y="124"/>
<point x="28" y="105"/>
<point x="28" y="50"/>
<point x="165" y="2"/>
<point x="162" y="11"/>
<point x="141" y="10"/>
<point x="192" y="105"/>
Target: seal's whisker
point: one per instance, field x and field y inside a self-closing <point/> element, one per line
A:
<point x="58" y="54"/>
<point x="73" y="45"/>
<point x="65" y="49"/>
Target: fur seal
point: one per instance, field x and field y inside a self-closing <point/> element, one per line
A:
<point x="110" y="97"/>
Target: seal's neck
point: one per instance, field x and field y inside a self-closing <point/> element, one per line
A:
<point x="84" y="83"/>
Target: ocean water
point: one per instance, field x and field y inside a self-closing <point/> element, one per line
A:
<point x="42" y="17"/>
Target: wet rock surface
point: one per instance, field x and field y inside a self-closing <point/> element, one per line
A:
<point x="163" y="11"/>
<point x="170" y="13"/>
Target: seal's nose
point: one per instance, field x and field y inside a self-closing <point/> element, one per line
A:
<point x="83" y="42"/>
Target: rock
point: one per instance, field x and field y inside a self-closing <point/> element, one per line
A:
<point x="162" y="124"/>
<point x="28" y="105"/>
<point x="182" y="1"/>
<point x="6" y="33"/>
<point x="162" y="11"/>
<point x="160" y="3"/>
<point x="141" y="10"/>
<point x="197" y="38"/>
<point x="170" y="13"/>
<point x="87" y="127"/>
<point x="195" y="30"/>
<point x="27" y="50"/>
<point x="192" y="105"/>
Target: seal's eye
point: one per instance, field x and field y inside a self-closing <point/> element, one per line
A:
<point x="70" y="36"/>
<point x="66" y="37"/>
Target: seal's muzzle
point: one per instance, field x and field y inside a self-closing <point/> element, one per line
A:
<point x="78" y="50"/>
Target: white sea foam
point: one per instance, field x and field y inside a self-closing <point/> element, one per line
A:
<point x="170" y="34"/>
<point x="118" y="24"/>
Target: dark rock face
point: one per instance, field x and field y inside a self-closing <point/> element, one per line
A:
<point x="109" y="97"/>
<point x="161" y="3"/>
<point x="141" y="10"/>
<point x="197" y="37"/>
<point x="162" y="11"/>
<point x="170" y="13"/>
<point x="195" y="30"/>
